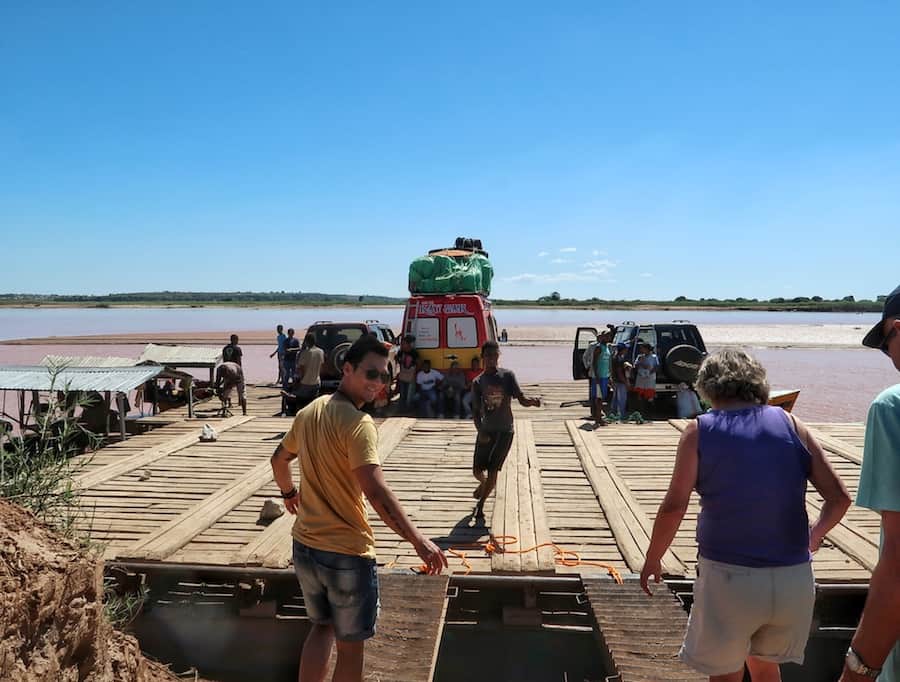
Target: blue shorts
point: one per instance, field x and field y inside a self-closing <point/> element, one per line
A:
<point x="338" y="589"/>
<point x="603" y="384"/>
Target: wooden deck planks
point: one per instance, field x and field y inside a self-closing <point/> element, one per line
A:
<point x="630" y="525"/>
<point x="429" y="468"/>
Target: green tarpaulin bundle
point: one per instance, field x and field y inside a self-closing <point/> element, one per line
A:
<point x="446" y="275"/>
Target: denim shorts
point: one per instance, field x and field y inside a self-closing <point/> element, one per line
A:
<point x="338" y="589"/>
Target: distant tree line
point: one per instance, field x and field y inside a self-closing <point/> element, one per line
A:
<point x="804" y="303"/>
<point x="240" y="298"/>
<point x="200" y="298"/>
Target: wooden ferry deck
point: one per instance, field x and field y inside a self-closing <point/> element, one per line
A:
<point x="585" y="497"/>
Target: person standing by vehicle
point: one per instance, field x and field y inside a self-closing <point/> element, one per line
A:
<point x="645" y="367"/>
<point x="333" y="543"/>
<point x="755" y="592"/>
<point x="309" y="364"/>
<point x="291" y="352"/>
<point x="280" y="339"/>
<point x="492" y="394"/>
<point x="232" y="352"/>
<point x="876" y="644"/>
<point x="601" y="369"/>
<point x="407" y="364"/>
<point x="620" y="368"/>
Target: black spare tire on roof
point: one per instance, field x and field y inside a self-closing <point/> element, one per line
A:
<point x="682" y="363"/>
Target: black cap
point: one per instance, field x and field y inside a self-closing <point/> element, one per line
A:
<point x="875" y="337"/>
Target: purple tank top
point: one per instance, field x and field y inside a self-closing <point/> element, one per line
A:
<point x="751" y="480"/>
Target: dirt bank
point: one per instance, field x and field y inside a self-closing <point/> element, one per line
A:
<point x="51" y="615"/>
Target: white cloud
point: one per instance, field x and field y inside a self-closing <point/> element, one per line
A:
<point x="560" y="260"/>
<point x="542" y="254"/>
<point x="559" y="277"/>
<point x="568" y="249"/>
<point x="597" y="252"/>
<point x="646" y="274"/>
<point x="602" y="264"/>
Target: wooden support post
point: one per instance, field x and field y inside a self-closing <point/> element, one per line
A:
<point x="120" y="403"/>
<point x="106" y="401"/>
<point x="190" y="398"/>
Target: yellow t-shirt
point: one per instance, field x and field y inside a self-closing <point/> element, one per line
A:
<point x="331" y="438"/>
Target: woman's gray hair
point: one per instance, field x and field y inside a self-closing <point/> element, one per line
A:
<point x="732" y="374"/>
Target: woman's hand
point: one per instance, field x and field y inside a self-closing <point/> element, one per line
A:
<point x="652" y="568"/>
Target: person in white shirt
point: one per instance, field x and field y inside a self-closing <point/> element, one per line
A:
<point x="427" y="382"/>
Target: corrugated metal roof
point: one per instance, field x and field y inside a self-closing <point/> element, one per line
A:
<point x="181" y="356"/>
<point x="87" y="361"/>
<point x="40" y="378"/>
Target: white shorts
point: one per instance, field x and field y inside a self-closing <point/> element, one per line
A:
<point x="740" y="611"/>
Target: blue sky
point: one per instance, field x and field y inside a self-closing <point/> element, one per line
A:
<point x="618" y="150"/>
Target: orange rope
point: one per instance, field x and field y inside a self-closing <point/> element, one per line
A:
<point x="497" y="544"/>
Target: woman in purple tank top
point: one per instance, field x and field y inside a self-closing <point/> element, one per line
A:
<point x="749" y="463"/>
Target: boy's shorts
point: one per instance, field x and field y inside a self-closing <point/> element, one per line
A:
<point x="740" y="611"/>
<point x="490" y="455"/>
<point x="338" y="589"/>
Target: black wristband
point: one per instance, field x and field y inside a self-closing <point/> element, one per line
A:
<point x="289" y="494"/>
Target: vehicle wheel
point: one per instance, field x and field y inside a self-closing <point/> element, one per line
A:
<point x="337" y="357"/>
<point x="682" y="363"/>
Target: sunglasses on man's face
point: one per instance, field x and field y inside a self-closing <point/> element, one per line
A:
<point x="885" y="345"/>
<point x="372" y="374"/>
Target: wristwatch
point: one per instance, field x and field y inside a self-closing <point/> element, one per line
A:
<point x="855" y="665"/>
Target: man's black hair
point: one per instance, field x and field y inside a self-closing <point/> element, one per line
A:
<point x="310" y="340"/>
<point x="364" y="345"/>
<point x="490" y="347"/>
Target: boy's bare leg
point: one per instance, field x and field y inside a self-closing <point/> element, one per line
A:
<point x="349" y="666"/>
<point x="316" y="652"/>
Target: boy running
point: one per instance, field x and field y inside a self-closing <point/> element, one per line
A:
<point x="492" y="394"/>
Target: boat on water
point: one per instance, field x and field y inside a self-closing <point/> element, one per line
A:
<point x="784" y="399"/>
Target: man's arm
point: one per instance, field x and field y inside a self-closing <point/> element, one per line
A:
<point x="371" y="479"/>
<point x="879" y="626"/>
<point x="281" y="468"/>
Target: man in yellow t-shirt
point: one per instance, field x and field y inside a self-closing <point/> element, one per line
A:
<point x="334" y="549"/>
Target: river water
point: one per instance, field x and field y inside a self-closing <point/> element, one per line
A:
<point x="818" y="353"/>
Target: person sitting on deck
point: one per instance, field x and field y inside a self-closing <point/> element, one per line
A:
<point x="230" y="375"/>
<point x="493" y="392"/>
<point x="428" y="383"/>
<point x="750" y="463"/>
<point x="453" y="388"/>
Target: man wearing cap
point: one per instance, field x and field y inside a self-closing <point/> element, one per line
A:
<point x="875" y="649"/>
